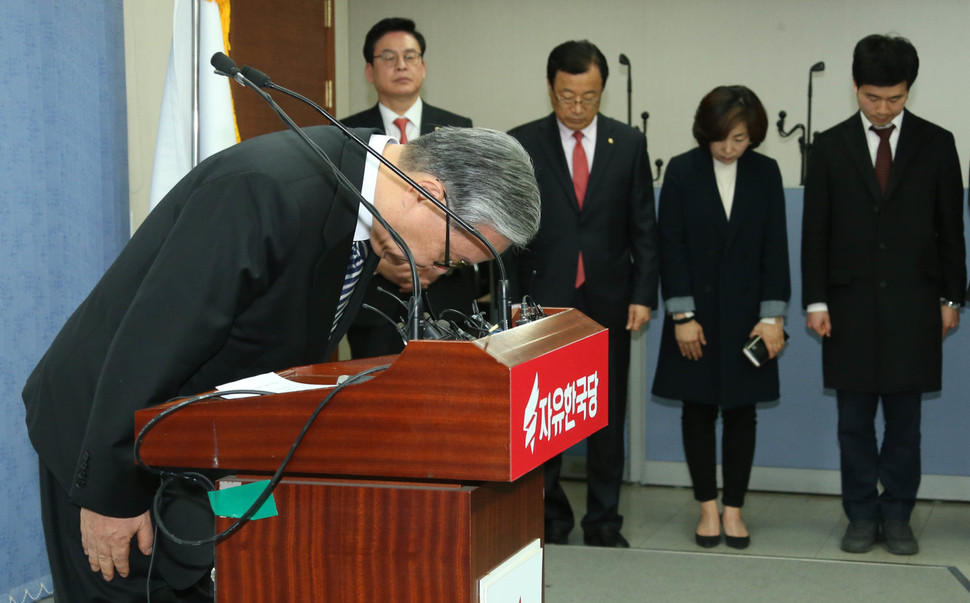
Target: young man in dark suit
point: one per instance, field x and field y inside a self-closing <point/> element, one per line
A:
<point x="239" y="270"/>
<point x="394" y="52"/>
<point x="884" y="272"/>
<point x="596" y="250"/>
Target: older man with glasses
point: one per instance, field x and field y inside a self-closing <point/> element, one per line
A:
<point x="394" y="54"/>
<point x="596" y="250"/>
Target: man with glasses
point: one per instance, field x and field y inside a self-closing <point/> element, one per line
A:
<point x="394" y="51"/>
<point x="596" y="250"/>
<point x="253" y="262"/>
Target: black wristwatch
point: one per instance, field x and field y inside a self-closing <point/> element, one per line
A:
<point x="683" y="321"/>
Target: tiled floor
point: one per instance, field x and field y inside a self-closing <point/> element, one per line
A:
<point x="782" y="525"/>
<point x="794" y="555"/>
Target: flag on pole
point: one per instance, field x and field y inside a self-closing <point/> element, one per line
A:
<point x="217" y="124"/>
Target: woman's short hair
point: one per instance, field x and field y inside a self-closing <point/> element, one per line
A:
<point x="723" y="108"/>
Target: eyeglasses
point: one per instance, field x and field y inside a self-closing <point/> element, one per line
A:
<point x="585" y="101"/>
<point x="447" y="264"/>
<point x="390" y="57"/>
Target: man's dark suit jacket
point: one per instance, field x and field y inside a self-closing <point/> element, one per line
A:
<point x="882" y="263"/>
<point x="729" y="268"/>
<point x="455" y="290"/>
<point x="236" y="272"/>
<point x="616" y="229"/>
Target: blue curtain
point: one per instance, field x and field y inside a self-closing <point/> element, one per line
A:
<point x="63" y="219"/>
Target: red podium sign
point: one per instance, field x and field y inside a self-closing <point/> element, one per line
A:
<point x="560" y="398"/>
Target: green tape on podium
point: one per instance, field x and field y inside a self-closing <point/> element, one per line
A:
<point x="233" y="502"/>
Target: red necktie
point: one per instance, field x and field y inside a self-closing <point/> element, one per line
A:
<point x="402" y="123"/>
<point x="580" y="169"/>
<point x="580" y="180"/>
<point x="884" y="156"/>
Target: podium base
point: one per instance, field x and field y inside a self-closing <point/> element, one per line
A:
<point x="361" y="540"/>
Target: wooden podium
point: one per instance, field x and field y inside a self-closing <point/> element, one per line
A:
<point x="409" y="486"/>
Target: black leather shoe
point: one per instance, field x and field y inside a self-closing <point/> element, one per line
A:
<point x="608" y="537"/>
<point x="737" y="542"/>
<point x="899" y="537"/>
<point x="557" y="535"/>
<point x="708" y="542"/>
<point x="859" y="536"/>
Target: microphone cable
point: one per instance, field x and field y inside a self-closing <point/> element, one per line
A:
<point x="169" y="477"/>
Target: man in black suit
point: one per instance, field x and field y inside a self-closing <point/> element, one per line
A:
<point x="883" y="271"/>
<point x="394" y="51"/>
<point x="596" y="250"/>
<point x="241" y="269"/>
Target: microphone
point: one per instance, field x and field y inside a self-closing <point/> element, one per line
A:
<point x="629" y="88"/>
<point x="226" y="66"/>
<point x="820" y="66"/>
<point x="263" y="81"/>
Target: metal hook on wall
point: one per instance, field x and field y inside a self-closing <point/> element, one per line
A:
<point x="805" y="140"/>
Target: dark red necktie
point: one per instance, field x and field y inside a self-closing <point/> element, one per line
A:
<point x="402" y="123"/>
<point x="580" y="180"/>
<point x="884" y="156"/>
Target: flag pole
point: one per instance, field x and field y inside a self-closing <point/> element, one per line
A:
<point x="196" y="35"/>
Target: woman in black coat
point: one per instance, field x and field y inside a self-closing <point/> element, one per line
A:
<point x="725" y="279"/>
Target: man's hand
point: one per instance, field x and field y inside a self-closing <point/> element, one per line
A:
<point x="951" y="318"/>
<point x="690" y="338"/>
<point x="772" y="335"/>
<point x="820" y="323"/>
<point x="107" y="540"/>
<point x="399" y="273"/>
<point x="637" y="316"/>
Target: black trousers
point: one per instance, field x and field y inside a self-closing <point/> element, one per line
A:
<point x="896" y="464"/>
<point x="74" y="581"/>
<point x="737" y="449"/>
<point x="604" y="449"/>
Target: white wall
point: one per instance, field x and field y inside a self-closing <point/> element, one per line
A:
<point x="148" y="36"/>
<point x="487" y="59"/>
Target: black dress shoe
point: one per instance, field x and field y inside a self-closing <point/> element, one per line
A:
<point x="859" y="536"/>
<point x="557" y="535"/>
<point x="737" y="542"/>
<point x="608" y="537"/>
<point x="708" y="542"/>
<point x="899" y="537"/>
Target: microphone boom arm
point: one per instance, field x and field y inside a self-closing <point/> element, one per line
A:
<point x="236" y="74"/>
<point x="502" y="292"/>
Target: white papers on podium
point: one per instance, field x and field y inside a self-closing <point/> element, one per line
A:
<point x="267" y="382"/>
<point x="518" y="579"/>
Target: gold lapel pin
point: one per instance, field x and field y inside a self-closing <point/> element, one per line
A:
<point x="609" y="140"/>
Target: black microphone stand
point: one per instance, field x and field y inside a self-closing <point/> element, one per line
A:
<point x="629" y="90"/>
<point x="227" y="67"/>
<point x="806" y="138"/>
<point x="262" y="80"/>
<point x="660" y="162"/>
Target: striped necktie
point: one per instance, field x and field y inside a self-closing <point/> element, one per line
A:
<point x="358" y="253"/>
